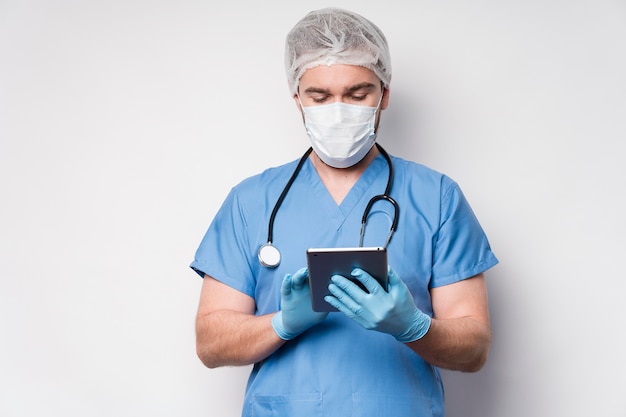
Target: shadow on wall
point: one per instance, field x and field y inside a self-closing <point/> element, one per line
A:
<point x="400" y="131"/>
<point x="411" y="129"/>
<point x="479" y="394"/>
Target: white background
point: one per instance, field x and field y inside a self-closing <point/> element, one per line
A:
<point x="123" y="124"/>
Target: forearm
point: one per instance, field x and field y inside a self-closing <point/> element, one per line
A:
<point x="460" y="344"/>
<point x="226" y="337"/>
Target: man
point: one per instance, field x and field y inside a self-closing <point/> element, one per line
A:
<point x="380" y="354"/>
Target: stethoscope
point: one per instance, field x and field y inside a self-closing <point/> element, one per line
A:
<point x="269" y="255"/>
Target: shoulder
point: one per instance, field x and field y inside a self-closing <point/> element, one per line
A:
<point x="413" y="174"/>
<point x="270" y="178"/>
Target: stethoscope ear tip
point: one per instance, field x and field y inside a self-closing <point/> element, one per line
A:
<point x="269" y="256"/>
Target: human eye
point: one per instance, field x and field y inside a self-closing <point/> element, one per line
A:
<point x="358" y="97"/>
<point x="319" y="98"/>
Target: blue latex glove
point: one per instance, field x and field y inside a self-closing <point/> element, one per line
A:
<point x="296" y="314"/>
<point x="393" y="312"/>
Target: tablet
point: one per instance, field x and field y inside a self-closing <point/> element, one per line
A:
<point x="326" y="262"/>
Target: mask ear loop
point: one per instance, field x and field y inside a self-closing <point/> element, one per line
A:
<point x="301" y="107"/>
<point x="380" y="100"/>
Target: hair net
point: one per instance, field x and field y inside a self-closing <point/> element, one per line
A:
<point x="335" y="36"/>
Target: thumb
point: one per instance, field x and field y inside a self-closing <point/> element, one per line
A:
<point x="300" y="278"/>
<point x="393" y="278"/>
<point x="285" y="288"/>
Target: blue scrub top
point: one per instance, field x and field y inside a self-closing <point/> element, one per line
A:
<point x="337" y="368"/>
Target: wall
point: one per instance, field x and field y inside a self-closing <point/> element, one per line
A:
<point x="123" y="124"/>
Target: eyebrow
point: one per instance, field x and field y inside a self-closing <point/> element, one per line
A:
<point x="347" y="90"/>
<point x="361" y="86"/>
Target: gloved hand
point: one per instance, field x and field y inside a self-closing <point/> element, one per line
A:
<point x="296" y="314"/>
<point x="393" y="311"/>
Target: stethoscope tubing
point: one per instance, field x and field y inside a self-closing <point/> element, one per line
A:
<point x="281" y="198"/>
<point x="269" y="255"/>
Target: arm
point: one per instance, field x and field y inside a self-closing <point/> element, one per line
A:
<point x="227" y="331"/>
<point x="456" y="338"/>
<point x="460" y="332"/>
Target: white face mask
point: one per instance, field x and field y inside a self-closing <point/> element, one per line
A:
<point x="341" y="134"/>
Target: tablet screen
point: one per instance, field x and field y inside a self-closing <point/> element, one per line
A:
<point x="326" y="262"/>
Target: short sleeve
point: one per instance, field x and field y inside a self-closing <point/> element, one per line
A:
<point x="461" y="246"/>
<point x="224" y="251"/>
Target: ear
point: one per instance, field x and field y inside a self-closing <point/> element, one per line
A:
<point x="295" y="98"/>
<point x="384" y="103"/>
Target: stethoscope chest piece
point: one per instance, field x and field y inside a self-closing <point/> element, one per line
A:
<point x="269" y="256"/>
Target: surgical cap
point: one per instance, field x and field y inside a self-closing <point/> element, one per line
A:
<point x="335" y="36"/>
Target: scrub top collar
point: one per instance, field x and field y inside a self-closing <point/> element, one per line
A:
<point x="361" y="191"/>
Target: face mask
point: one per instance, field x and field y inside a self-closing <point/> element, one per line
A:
<point x="341" y="134"/>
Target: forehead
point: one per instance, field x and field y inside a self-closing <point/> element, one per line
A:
<point x="337" y="77"/>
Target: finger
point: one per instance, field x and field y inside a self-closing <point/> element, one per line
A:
<point x="373" y="287"/>
<point x="346" y="285"/>
<point x="333" y="301"/>
<point x="393" y="277"/>
<point x="344" y="297"/>
<point x="285" y="288"/>
<point x="300" y="278"/>
<point x="395" y="284"/>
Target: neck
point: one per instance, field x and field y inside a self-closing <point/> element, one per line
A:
<point x="339" y="181"/>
